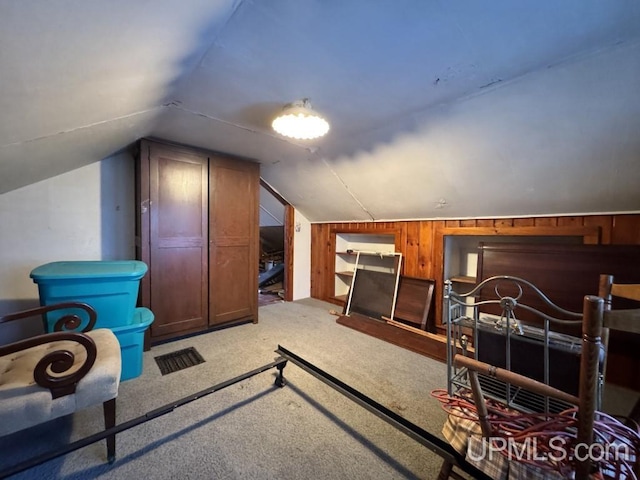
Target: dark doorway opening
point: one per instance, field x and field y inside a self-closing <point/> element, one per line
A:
<point x="275" y="247"/>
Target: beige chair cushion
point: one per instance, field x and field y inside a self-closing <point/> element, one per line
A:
<point x="24" y="403"/>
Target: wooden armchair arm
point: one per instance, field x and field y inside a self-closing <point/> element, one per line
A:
<point x="68" y="322"/>
<point x="51" y="370"/>
<point x="474" y="367"/>
<point x="513" y="378"/>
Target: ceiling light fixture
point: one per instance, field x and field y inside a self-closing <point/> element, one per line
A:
<point x="298" y="120"/>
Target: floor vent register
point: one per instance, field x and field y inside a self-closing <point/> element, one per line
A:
<point x="178" y="360"/>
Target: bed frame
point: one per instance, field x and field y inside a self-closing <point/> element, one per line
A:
<point x="486" y="324"/>
<point x="428" y="440"/>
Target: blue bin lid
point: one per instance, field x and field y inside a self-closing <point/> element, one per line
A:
<point x="132" y="269"/>
<point x="142" y="318"/>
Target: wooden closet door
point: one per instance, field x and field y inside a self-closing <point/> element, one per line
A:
<point x="178" y="230"/>
<point x="234" y="239"/>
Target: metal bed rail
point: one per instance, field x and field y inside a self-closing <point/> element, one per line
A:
<point x="279" y="363"/>
<point x="433" y="443"/>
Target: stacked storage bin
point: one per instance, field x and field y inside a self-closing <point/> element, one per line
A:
<point x="111" y="288"/>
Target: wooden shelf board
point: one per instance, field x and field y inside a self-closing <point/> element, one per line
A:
<point x="463" y="279"/>
<point x="370" y="254"/>
<point x="346" y="273"/>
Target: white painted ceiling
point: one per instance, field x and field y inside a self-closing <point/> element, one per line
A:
<point x="438" y="109"/>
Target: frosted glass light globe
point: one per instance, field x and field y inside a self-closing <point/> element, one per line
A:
<point x="300" y="121"/>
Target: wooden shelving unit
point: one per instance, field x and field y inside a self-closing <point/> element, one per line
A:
<point x="369" y="251"/>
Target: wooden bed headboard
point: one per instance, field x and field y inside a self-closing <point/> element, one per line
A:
<point x="566" y="273"/>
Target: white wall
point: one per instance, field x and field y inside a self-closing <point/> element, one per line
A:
<point x="301" y="257"/>
<point x="85" y="214"/>
<point x="271" y="209"/>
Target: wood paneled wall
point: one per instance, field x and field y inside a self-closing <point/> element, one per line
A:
<point x="422" y="256"/>
<point x="421" y="244"/>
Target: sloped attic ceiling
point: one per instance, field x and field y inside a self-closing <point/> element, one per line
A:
<point x="438" y="109"/>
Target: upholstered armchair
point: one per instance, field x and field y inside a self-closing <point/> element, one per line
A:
<point x="58" y="373"/>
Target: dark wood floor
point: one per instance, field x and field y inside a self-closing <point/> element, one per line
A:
<point x="269" y="294"/>
<point x="267" y="298"/>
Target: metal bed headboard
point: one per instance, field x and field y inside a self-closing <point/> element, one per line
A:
<point x="465" y="315"/>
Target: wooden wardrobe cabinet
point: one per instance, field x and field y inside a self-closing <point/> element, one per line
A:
<point x="197" y="229"/>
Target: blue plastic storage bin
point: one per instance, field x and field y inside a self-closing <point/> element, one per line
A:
<point x="131" y="338"/>
<point x="110" y="287"/>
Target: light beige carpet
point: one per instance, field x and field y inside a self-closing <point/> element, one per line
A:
<point x="254" y="430"/>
